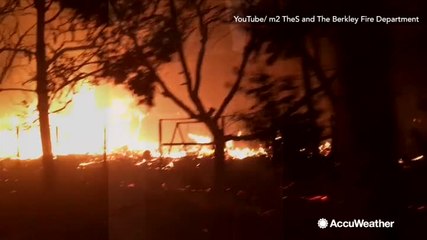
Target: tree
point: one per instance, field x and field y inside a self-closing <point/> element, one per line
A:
<point x="298" y="42"/>
<point x="290" y="131"/>
<point x="63" y="52"/>
<point x="292" y="108"/>
<point x="145" y="37"/>
<point x="7" y="58"/>
<point x="364" y="136"/>
<point x="7" y="7"/>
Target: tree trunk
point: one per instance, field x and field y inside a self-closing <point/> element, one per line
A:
<point x="221" y="215"/>
<point x="219" y="160"/>
<point x="219" y="153"/>
<point x="42" y="91"/>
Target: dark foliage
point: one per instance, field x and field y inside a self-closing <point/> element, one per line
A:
<point x="273" y="97"/>
<point x="142" y="38"/>
<point x="93" y="9"/>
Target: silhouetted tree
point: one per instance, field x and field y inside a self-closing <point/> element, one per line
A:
<point x="293" y="135"/>
<point x="364" y="138"/>
<point x="144" y="38"/>
<point x="6" y="7"/>
<point x="6" y="57"/>
<point x="61" y="58"/>
<point x="287" y="105"/>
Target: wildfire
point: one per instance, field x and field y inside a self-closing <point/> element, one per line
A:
<point x="99" y="118"/>
<point x="199" y="138"/>
<point x="231" y="150"/>
<point x="241" y="153"/>
<point x="96" y="119"/>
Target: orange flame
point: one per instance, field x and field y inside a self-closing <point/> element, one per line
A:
<point x="97" y="114"/>
<point x="199" y="138"/>
<point x="93" y="115"/>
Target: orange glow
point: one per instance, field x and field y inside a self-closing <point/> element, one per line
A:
<point x="79" y="129"/>
<point x="241" y="153"/>
<point x="199" y="138"/>
<point x="95" y="113"/>
<point x="325" y="148"/>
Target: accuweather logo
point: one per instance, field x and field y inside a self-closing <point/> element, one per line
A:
<point x="322" y="223"/>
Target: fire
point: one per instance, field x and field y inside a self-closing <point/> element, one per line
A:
<point x="231" y="150"/>
<point x="325" y="148"/>
<point x="241" y="153"/>
<point x="99" y="118"/>
<point x="95" y="114"/>
<point x="199" y="138"/>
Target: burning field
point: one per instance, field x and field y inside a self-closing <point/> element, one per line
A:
<point x="112" y="180"/>
<point x="101" y="119"/>
<point x="170" y="119"/>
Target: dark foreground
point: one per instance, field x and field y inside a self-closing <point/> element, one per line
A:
<point x="120" y="200"/>
<point x="124" y="200"/>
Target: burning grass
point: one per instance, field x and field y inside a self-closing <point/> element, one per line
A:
<point x="99" y="119"/>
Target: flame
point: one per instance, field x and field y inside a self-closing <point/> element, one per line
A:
<point x="242" y="153"/>
<point x="325" y="148"/>
<point x="94" y="115"/>
<point x="99" y="118"/>
<point x="231" y="150"/>
<point x="200" y="138"/>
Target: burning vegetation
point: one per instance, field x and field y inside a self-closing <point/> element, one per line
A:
<point x="166" y="119"/>
<point x="99" y="119"/>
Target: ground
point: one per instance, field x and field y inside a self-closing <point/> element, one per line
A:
<point x="120" y="200"/>
<point x="127" y="198"/>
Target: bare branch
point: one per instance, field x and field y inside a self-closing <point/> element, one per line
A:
<point x="14" y="51"/>
<point x="17" y="89"/>
<point x="61" y="9"/>
<point x="240" y="74"/>
<point x="32" y="79"/>
<point x="203" y="30"/>
<point x="181" y="53"/>
<point x="19" y="42"/>
<point x="79" y="77"/>
<point x="167" y="93"/>
<point x="47" y="7"/>
<point x="62" y="51"/>
<point x="183" y="60"/>
<point x="17" y="50"/>
<point x="62" y="108"/>
<point x="8" y="7"/>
